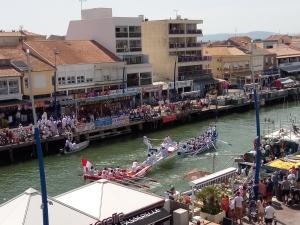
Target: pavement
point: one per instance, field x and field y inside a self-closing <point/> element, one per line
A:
<point x="284" y="215"/>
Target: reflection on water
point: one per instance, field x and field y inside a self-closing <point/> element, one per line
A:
<point x="63" y="172"/>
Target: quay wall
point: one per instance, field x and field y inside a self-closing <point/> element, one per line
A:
<point x="26" y="151"/>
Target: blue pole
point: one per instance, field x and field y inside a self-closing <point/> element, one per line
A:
<point x="42" y="175"/>
<point x="257" y="140"/>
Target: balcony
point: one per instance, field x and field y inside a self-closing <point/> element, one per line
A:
<point x="135" y="35"/>
<point x="177" y="45"/>
<point x="121" y="34"/>
<point x="176" y="31"/>
<point x="194" y="45"/>
<point x="194" y="75"/>
<point x="135" y="49"/>
<point x="194" y="31"/>
<point x="188" y="58"/>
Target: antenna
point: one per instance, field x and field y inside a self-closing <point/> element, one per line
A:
<point x="81" y="1"/>
<point x="176" y="12"/>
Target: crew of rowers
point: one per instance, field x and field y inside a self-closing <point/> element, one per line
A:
<point x="109" y="173"/>
<point x="201" y="141"/>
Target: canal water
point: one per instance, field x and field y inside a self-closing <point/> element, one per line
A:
<point x="64" y="172"/>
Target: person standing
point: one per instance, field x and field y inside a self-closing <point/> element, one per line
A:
<point x="285" y="186"/>
<point x="238" y="207"/>
<point x="260" y="211"/>
<point x="269" y="189"/>
<point x="269" y="214"/>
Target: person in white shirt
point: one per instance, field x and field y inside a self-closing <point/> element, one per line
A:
<point x="269" y="214"/>
<point x="238" y="207"/>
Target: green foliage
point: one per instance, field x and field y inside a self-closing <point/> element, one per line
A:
<point x="211" y="198"/>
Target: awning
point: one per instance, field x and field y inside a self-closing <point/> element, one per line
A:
<point x="151" y="217"/>
<point x="90" y="100"/>
<point x="291" y="68"/>
<point x="207" y="81"/>
<point x="12" y="103"/>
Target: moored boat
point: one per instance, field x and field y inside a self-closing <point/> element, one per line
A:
<point x="75" y="148"/>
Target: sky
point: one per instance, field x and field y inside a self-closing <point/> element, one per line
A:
<point x="219" y="16"/>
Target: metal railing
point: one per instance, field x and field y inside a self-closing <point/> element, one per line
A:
<point x="196" y="31"/>
<point x="121" y="34"/>
<point x="176" y="45"/>
<point x="194" y="58"/>
<point x="195" y="44"/>
<point x="176" y="31"/>
<point x="135" y="34"/>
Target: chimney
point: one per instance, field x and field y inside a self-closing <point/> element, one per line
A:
<point x="178" y="17"/>
<point x="141" y="17"/>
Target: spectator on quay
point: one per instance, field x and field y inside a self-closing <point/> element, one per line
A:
<point x="269" y="214"/>
<point x="274" y="179"/>
<point x="262" y="188"/>
<point x="225" y="204"/>
<point x="260" y="211"/>
<point x="269" y="189"/>
<point x="238" y="207"/>
<point x="285" y="186"/>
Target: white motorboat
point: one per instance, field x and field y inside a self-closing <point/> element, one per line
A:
<point x="75" y="148"/>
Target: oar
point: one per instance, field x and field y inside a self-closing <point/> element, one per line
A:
<point x="214" y="146"/>
<point x="146" y="179"/>
<point x="225" y="142"/>
<point x="136" y="183"/>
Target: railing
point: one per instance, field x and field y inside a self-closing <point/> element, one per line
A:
<point x="121" y="34"/>
<point x="196" y="31"/>
<point x="194" y="58"/>
<point x="135" y="49"/>
<point x="191" y="45"/>
<point x="176" y="31"/>
<point x="135" y="34"/>
<point x="177" y="45"/>
<point x="196" y="74"/>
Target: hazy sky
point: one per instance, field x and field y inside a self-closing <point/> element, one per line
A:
<point x="53" y="16"/>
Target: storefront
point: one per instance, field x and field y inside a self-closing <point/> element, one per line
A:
<point x="113" y="204"/>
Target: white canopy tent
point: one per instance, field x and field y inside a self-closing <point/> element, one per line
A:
<point x="103" y="198"/>
<point x="26" y="209"/>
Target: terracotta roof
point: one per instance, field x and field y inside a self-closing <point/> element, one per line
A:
<point x="283" y="51"/>
<point x="72" y="52"/>
<point x="277" y="37"/>
<point x="8" y="71"/>
<point x="261" y="51"/>
<point x="216" y="51"/>
<point x="241" y="40"/>
<point x="17" y="53"/>
<point x="56" y="37"/>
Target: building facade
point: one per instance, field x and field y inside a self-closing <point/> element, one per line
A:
<point x="174" y="50"/>
<point x="120" y="35"/>
<point x="229" y="63"/>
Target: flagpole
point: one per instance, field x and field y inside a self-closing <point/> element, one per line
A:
<point x="39" y="147"/>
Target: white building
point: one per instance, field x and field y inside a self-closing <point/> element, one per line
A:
<point x="120" y="35"/>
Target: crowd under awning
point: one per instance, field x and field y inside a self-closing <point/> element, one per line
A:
<point x="91" y="100"/>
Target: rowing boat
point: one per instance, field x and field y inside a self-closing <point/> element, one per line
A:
<point x="76" y="148"/>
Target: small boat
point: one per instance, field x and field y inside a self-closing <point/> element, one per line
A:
<point x="75" y="148"/>
<point x="199" y="145"/>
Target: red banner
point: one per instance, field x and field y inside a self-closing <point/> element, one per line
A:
<point x="170" y="118"/>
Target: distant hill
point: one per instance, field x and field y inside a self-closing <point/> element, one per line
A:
<point x="225" y="36"/>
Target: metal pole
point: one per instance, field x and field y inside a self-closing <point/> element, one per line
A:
<point x="123" y="80"/>
<point x="174" y="78"/>
<point x="39" y="147"/>
<point x="54" y="83"/>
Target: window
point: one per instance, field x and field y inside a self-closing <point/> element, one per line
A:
<point x="13" y="86"/>
<point x="26" y="83"/>
<point x="132" y="79"/>
<point x="61" y="80"/>
<point x="122" y="45"/>
<point x="3" y="87"/>
<point x="89" y="80"/>
<point x="80" y="79"/>
<point x="106" y="78"/>
<point x="71" y="80"/>
<point x="146" y="78"/>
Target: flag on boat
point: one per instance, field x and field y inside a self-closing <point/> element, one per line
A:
<point x="87" y="165"/>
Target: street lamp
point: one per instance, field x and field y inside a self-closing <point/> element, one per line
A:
<point x="39" y="147"/>
<point x="56" y="52"/>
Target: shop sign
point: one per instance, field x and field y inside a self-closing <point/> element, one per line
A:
<point x="114" y="219"/>
<point x="153" y="88"/>
<point x="170" y="118"/>
<point x="181" y="84"/>
<point x="140" y="217"/>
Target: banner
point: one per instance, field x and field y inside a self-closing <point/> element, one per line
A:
<point x="170" y="118"/>
<point x="120" y="120"/>
<point x="102" y="122"/>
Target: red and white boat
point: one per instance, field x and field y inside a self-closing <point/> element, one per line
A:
<point x="114" y="174"/>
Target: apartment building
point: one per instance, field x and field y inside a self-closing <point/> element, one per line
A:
<point x="229" y="63"/>
<point x="278" y="39"/>
<point x="120" y="35"/>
